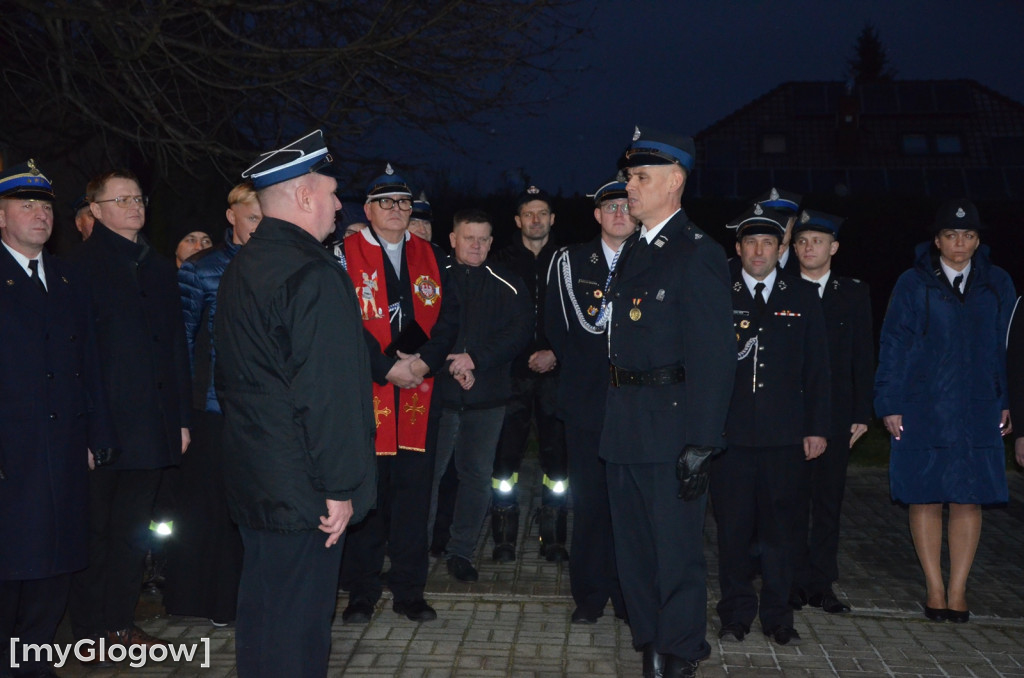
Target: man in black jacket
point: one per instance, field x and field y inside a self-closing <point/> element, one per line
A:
<point x="298" y="419"/>
<point x="778" y="419"/>
<point x="494" y="326"/>
<point x="851" y="351"/>
<point x="576" y="325"/>
<point x="141" y="341"/>
<point x="534" y="390"/>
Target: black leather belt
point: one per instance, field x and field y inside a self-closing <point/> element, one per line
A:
<point x="663" y="376"/>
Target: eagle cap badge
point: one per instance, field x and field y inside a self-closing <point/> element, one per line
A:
<point x="636" y="133"/>
<point x="960" y="214"/>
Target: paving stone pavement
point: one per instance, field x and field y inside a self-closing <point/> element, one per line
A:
<point x="515" y="620"/>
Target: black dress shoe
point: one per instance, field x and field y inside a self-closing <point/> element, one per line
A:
<point x="958" y="616"/>
<point x="677" y="667"/>
<point x="784" y="635"/>
<point x="935" y="614"/>
<point x="416" y="610"/>
<point x="828" y="602"/>
<point x="358" y="611"/>
<point x="581" y="616"/>
<point x="654" y="662"/>
<point x="797" y="598"/>
<point x="733" y="632"/>
<point x="462" y="569"/>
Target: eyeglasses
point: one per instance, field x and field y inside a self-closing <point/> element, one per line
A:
<point x="126" y="201"/>
<point x="613" y="207"/>
<point x="404" y="204"/>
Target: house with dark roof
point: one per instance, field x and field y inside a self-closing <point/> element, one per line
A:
<point x="929" y="139"/>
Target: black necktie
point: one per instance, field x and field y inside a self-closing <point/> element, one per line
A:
<point x="956" y="284"/>
<point x="759" y="303"/>
<point x="34" y="265"/>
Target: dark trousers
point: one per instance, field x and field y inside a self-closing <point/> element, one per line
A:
<point x="756" y="490"/>
<point x="593" y="577"/>
<point x="30" y="610"/>
<point x="286" y="601"/>
<point x="817" y="553"/>
<point x="104" y="595"/>
<point x="397" y="527"/>
<point x="204" y="554"/>
<point x="467" y="437"/>
<point x="532" y="397"/>
<point x="659" y="548"/>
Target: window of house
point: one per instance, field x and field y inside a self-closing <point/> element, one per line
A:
<point x="915" y="144"/>
<point x="949" y="144"/>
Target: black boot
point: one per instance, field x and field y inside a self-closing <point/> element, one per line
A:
<point x="505" y="529"/>
<point x="552" y="533"/>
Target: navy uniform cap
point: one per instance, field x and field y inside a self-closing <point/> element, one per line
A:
<point x="388" y="185"/>
<point x="421" y="208"/>
<point x="612" y="190"/>
<point x="25" y="182"/>
<point x="533" y="193"/>
<point x="80" y="202"/>
<point x="957" y="214"/>
<point x="759" y="220"/>
<point x="305" y="155"/>
<point x="653" y="147"/>
<point x="783" y="201"/>
<point x="812" y="220"/>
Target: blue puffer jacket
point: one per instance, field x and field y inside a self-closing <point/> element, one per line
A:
<point x="942" y="365"/>
<point x="198" y="281"/>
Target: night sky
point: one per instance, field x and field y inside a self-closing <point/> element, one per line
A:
<point x="681" y="66"/>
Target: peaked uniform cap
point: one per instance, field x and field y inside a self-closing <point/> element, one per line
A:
<point x="759" y="220"/>
<point x="388" y="185"/>
<point x="25" y="182"/>
<point x="783" y="201"/>
<point x="654" y="147"/>
<point x="305" y="155"/>
<point x="813" y="220"/>
<point x="957" y="214"/>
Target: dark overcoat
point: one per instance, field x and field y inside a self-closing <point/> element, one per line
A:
<point x="52" y="410"/>
<point x="141" y="340"/>
<point x="942" y="366"/>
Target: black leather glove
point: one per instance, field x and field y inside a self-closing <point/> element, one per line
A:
<point x="693" y="470"/>
<point x="105" y="456"/>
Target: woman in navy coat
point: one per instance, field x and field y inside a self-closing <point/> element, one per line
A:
<point x="941" y="389"/>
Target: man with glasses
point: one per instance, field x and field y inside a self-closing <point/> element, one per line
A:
<point x="576" y="325"/>
<point x="410" y="322"/>
<point x="141" y="340"/>
<point x="534" y="383"/>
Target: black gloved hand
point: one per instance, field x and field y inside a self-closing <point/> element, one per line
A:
<point x="693" y="469"/>
<point x="105" y="456"/>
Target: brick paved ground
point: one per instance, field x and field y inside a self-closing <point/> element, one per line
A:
<point x="515" y="620"/>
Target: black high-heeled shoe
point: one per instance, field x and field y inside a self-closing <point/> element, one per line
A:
<point x="958" y="616"/>
<point x="935" y="614"/>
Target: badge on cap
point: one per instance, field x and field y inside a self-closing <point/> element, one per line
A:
<point x="960" y="214"/>
<point x="636" y="132"/>
<point x="389" y="170"/>
<point x="774" y="194"/>
<point x="805" y="217"/>
<point x="758" y="210"/>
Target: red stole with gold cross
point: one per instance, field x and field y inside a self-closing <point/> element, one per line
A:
<point x="404" y="426"/>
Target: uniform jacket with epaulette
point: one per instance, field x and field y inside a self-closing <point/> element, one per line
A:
<point x="575" y="291"/>
<point x="679" y="285"/>
<point x="782" y="392"/>
<point x="851" y="351"/>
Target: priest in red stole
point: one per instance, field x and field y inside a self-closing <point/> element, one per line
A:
<point x="410" y="322"/>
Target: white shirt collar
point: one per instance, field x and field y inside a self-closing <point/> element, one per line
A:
<point x="649" y="234"/>
<point x="822" y="281"/>
<point x="23" y="262"/>
<point x="769" y="282"/>
<point x="952" y="273"/>
<point x="609" y="253"/>
<point x="368" y="237"/>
